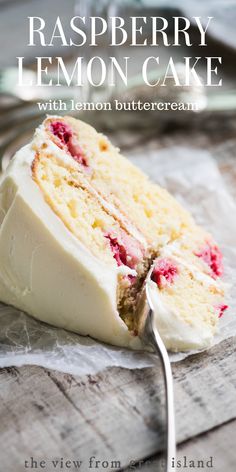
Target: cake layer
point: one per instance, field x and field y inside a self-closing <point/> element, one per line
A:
<point x="150" y="208"/>
<point x="96" y="225"/>
<point x="201" y="249"/>
<point x="73" y="200"/>
<point x="187" y="300"/>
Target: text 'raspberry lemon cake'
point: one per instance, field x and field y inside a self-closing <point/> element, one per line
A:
<point x="80" y="227"/>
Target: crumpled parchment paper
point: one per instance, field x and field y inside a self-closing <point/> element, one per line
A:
<point x="193" y="177"/>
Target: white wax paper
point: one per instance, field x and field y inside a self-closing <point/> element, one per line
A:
<point x="193" y="177"/>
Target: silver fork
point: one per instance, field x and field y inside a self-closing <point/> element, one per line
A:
<point x="149" y="334"/>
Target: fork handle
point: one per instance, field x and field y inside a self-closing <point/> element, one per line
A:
<point x="160" y="349"/>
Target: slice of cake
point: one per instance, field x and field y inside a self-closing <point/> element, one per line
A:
<point x="80" y="227"/>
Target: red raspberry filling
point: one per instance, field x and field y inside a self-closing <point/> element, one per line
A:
<point x="221" y="309"/>
<point x="164" y="272"/>
<point x="212" y="255"/>
<point x="65" y="134"/>
<point x="125" y="250"/>
<point x="61" y="131"/>
<point x="118" y="250"/>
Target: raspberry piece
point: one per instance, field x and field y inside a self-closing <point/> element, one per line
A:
<point x="164" y="272"/>
<point x="65" y="134"/>
<point x="125" y="250"/>
<point x="221" y="309"/>
<point x="118" y="250"/>
<point x="212" y="256"/>
<point x="61" y="131"/>
<point x="76" y="151"/>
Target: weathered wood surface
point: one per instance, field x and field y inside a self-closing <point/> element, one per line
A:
<point x="114" y="416"/>
<point x="211" y="448"/>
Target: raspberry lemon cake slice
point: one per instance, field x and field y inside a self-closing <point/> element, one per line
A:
<point x="80" y="227"/>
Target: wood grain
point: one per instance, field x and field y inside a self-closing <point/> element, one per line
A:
<point x="114" y="416"/>
<point x="216" y="448"/>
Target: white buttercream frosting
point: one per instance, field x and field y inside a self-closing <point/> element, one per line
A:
<point x="45" y="270"/>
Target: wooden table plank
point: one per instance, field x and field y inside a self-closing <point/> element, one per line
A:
<point x="114" y="416"/>
<point x="214" y="449"/>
